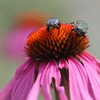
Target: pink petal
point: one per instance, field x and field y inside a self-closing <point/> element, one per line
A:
<point x="57" y="77"/>
<point x="45" y="83"/>
<point x="23" y="84"/>
<point x="93" y="76"/>
<point x="92" y="59"/>
<point x="53" y="72"/>
<point x="23" y="67"/>
<point x="5" y="93"/>
<point x="63" y="63"/>
<point x="78" y="80"/>
<point x="20" y="87"/>
<point x="62" y="93"/>
<point x="33" y="94"/>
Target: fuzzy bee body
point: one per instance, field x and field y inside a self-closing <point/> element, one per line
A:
<point x="53" y="23"/>
<point x="80" y="27"/>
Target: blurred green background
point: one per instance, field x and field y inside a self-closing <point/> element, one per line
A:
<point x="65" y="10"/>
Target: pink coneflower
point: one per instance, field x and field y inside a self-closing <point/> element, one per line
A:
<point x="58" y="62"/>
<point x="24" y="23"/>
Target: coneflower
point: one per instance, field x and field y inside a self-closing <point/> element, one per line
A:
<point x="57" y="60"/>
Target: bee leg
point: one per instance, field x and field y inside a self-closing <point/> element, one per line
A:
<point x="48" y="30"/>
<point x="72" y="30"/>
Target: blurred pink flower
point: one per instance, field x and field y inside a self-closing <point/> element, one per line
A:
<point x="24" y="23"/>
<point x="59" y="62"/>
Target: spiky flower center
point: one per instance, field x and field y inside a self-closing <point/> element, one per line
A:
<point x="55" y="44"/>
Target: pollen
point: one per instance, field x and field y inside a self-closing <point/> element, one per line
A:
<point x="57" y="43"/>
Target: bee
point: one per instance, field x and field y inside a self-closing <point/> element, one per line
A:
<point x="80" y="27"/>
<point x="53" y="23"/>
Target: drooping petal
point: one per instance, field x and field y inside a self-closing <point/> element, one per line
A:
<point x="19" y="88"/>
<point x="63" y="63"/>
<point x="23" y="84"/>
<point x="62" y="93"/>
<point x="53" y="72"/>
<point x="57" y="77"/>
<point x="80" y="88"/>
<point x="23" y="67"/>
<point x="33" y="94"/>
<point x="5" y="93"/>
<point x="93" y="75"/>
<point x="92" y="59"/>
<point x="46" y="82"/>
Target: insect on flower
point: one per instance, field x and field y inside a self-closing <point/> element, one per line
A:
<point x="53" y="23"/>
<point x="80" y="27"/>
<point x="58" y="63"/>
